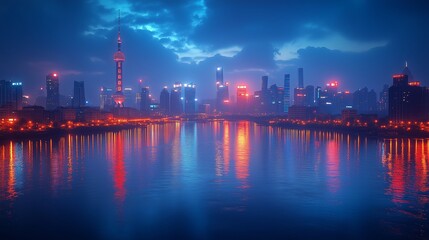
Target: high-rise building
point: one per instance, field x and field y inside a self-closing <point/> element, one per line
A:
<point x="299" y="96"/>
<point x="78" y="94"/>
<point x="242" y="105"/>
<point x="309" y="96"/>
<point x="300" y="78"/>
<point x="16" y="95"/>
<point x="264" y="87"/>
<point x="129" y="97"/>
<point x="145" y="101"/>
<point x="11" y="94"/>
<point x="176" y="99"/>
<point x="286" y="96"/>
<point x="52" y="91"/>
<point x="119" y="58"/>
<point x="5" y="92"/>
<point x="406" y="100"/>
<point x="222" y="92"/>
<point x="189" y="99"/>
<point x="164" y="101"/>
<point x="219" y="76"/>
<point x="383" y="101"/>
<point x="365" y="101"/>
<point x="275" y="104"/>
<point x="106" y="99"/>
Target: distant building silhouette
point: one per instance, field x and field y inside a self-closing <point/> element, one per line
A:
<point x="78" y="94"/>
<point x="189" y="100"/>
<point x="11" y="94"/>
<point x="106" y="99"/>
<point x="222" y="92"/>
<point x="164" y="101"/>
<point x="145" y="101"/>
<point x="286" y="93"/>
<point x="383" y="101"/>
<point x="364" y="101"/>
<point x="52" y="91"/>
<point x="176" y="107"/>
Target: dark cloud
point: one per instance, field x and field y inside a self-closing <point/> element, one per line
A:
<point x="77" y="38"/>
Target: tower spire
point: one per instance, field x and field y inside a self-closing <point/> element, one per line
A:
<point x="406" y="64"/>
<point x="119" y="30"/>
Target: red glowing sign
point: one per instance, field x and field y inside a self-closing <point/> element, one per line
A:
<point x="414" y="84"/>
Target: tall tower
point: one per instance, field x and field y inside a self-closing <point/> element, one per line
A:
<point x="119" y="58"/>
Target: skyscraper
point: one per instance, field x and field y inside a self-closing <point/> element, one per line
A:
<point x="189" y="98"/>
<point x="119" y="58"/>
<point x="264" y="87"/>
<point x="176" y="99"/>
<point x="5" y="92"/>
<point x="222" y="92"/>
<point x="106" y="99"/>
<point x="78" y="94"/>
<point x="219" y="76"/>
<point x="242" y="105"/>
<point x="52" y="91"/>
<point x="164" y="101"/>
<point x="300" y="78"/>
<point x="145" y="101"/>
<point x="16" y="95"/>
<point x="286" y="96"/>
<point x="309" y="96"/>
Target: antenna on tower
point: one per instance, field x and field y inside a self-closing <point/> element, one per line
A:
<point x="119" y="20"/>
<point x="406" y="63"/>
<point x="119" y="30"/>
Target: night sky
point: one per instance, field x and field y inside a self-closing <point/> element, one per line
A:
<point x="356" y="42"/>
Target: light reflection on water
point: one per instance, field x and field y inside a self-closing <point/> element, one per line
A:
<point x="220" y="180"/>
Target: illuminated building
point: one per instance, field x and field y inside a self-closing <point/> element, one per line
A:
<point x="219" y="76"/>
<point x="189" y="100"/>
<point x="106" y="99"/>
<point x="11" y="94"/>
<point x="275" y="102"/>
<point x="407" y="100"/>
<point x="286" y="94"/>
<point x="145" y="101"/>
<point x="222" y="92"/>
<point x="330" y="101"/>
<point x="176" y="99"/>
<point x="242" y="99"/>
<point x="299" y="96"/>
<point x="129" y="97"/>
<point x="164" y="101"/>
<point x="119" y="58"/>
<point x="78" y="94"/>
<point x="52" y="91"/>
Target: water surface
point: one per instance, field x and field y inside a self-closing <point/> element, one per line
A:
<point x="217" y="180"/>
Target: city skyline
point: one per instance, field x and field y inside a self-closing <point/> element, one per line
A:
<point x="79" y="49"/>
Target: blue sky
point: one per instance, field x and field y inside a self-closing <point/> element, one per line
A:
<point x="356" y="42"/>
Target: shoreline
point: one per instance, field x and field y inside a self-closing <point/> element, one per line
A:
<point x="366" y="131"/>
